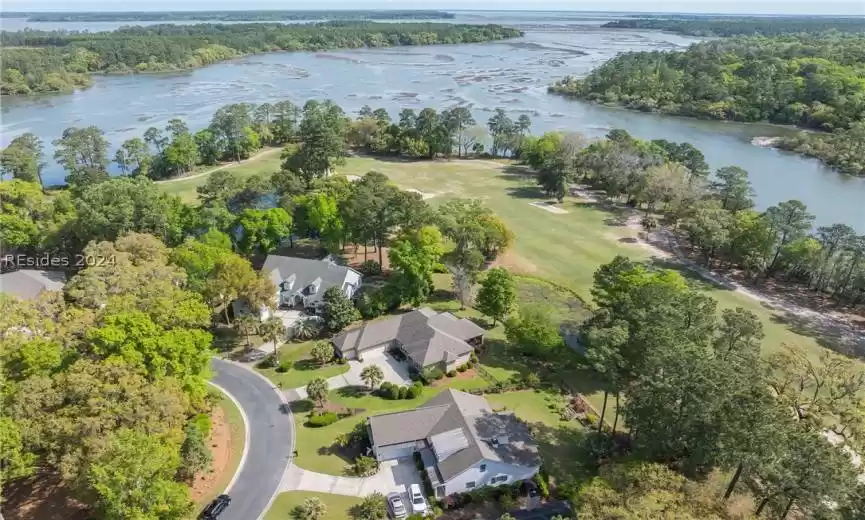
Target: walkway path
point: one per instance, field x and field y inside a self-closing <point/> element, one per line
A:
<point x="222" y="167"/>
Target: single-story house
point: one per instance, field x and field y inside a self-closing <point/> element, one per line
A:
<point x="463" y="443"/>
<point x="28" y="284"/>
<point x="302" y="282"/>
<point x="427" y="338"/>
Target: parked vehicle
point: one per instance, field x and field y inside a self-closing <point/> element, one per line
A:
<point x="418" y="502"/>
<point x="394" y="503"/>
<point x="215" y="508"/>
<point x="253" y="355"/>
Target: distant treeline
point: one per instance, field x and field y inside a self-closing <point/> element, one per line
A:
<point x="225" y="16"/>
<point x="55" y="61"/>
<point x="811" y="81"/>
<point x="743" y="26"/>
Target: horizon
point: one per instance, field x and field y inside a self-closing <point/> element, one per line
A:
<point x="799" y="8"/>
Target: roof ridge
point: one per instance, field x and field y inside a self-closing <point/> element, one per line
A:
<point x="416" y="409"/>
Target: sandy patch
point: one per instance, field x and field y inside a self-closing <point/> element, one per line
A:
<point x="220" y="447"/>
<point x="583" y="195"/>
<point x="355" y="257"/>
<point x="515" y="263"/>
<point x="44" y="495"/>
<point x="548" y="206"/>
<point x="423" y="195"/>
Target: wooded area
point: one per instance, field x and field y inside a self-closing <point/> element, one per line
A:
<point x="224" y="16"/>
<point x="53" y="61"/>
<point x="815" y="82"/>
<point x="710" y="26"/>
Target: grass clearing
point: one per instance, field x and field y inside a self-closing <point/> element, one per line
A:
<point x="316" y="448"/>
<point x="302" y="368"/>
<point x="338" y="506"/>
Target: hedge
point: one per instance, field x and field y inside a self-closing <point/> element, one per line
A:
<point x="323" y="419"/>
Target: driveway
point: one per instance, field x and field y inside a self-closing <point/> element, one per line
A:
<point x="394" y="371"/>
<point x="289" y="318"/>
<point x="392" y="476"/>
<point x="269" y="444"/>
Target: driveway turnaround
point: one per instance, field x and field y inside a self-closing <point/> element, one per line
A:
<point x="270" y="442"/>
<point x="393" y="370"/>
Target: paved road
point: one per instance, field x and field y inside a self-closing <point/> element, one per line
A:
<point x="270" y="440"/>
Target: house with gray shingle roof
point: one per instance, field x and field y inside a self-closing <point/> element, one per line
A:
<point x="302" y="282"/>
<point x="463" y="443"/>
<point x="28" y="284"/>
<point x="427" y="338"/>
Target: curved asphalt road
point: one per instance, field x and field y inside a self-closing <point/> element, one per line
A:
<point x="269" y="445"/>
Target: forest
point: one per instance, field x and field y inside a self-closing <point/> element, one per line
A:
<point x="54" y="61"/>
<point x="815" y="82"/>
<point x="724" y="26"/>
<point x="225" y="16"/>
<point x="696" y="395"/>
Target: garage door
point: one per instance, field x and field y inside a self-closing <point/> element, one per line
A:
<point x="396" y="451"/>
<point x="374" y="352"/>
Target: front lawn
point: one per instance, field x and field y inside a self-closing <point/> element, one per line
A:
<point x="301" y="367"/>
<point x="338" y="506"/>
<point x="316" y="447"/>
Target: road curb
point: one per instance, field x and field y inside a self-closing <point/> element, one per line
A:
<point x="246" y="436"/>
<point x="290" y="415"/>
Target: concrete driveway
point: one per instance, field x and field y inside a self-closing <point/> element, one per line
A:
<point x="289" y="318"/>
<point x="394" y="371"/>
<point x="392" y="476"/>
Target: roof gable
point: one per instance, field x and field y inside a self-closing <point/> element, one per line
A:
<point x="305" y="272"/>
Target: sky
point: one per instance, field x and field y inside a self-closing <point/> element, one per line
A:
<point x="849" y="7"/>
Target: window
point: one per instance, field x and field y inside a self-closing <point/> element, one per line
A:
<point x="470" y="484"/>
<point x="483" y="468"/>
<point x="498" y="479"/>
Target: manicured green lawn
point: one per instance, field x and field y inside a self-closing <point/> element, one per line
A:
<point x="238" y="439"/>
<point x="303" y="368"/>
<point x="315" y="446"/>
<point x="267" y="161"/>
<point x="338" y="506"/>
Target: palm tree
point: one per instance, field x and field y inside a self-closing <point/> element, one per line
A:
<point x="247" y="324"/>
<point x="272" y="330"/>
<point x="372" y="375"/>
<point x="311" y="509"/>
<point x="306" y="328"/>
<point x="317" y="391"/>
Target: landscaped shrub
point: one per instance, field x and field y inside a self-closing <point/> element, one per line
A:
<point x="474" y="357"/>
<point x="341" y="361"/>
<point x="433" y="374"/>
<point x="203" y="423"/>
<point x="452" y="373"/>
<point x="462" y="368"/>
<point x="414" y="391"/>
<point x="370" y="268"/>
<point x="402" y="391"/>
<point x="322" y="419"/>
<point x="283" y="367"/>
<point x="541" y="479"/>
<point x="592" y="419"/>
<point x="365" y="466"/>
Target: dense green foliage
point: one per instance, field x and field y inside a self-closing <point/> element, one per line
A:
<point x="45" y="61"/>
<point x="842" y="149"/>
<point x="223" y="16"/>
<point x="743" y="26"/>
<point x="810" y="81"/>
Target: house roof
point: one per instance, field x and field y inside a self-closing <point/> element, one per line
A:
<point x="463" y="430"/>
<point x="303" y="272"/>
<point x="28" y="284"/>
<point x="426" y="336"/>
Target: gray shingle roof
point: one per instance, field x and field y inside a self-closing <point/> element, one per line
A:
<point x="28" y="284"/>
<point x="324" y="274"/>
<point x="452" y="410"/>
<point x="426" y="336"/>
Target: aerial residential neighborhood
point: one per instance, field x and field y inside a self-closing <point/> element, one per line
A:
<point x="336" y="262"/>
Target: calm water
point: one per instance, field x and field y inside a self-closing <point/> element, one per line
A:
<point x="512" y="74"/>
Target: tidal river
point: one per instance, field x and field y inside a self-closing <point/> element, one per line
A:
<point x="510" y="74"/>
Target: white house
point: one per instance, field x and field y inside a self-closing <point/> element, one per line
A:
<point x="463" y="443"/>
<point x="301" y="282"/>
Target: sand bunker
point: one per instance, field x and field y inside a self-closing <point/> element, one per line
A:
<point x="423" y="195"/>
<point x="548" y="206"/>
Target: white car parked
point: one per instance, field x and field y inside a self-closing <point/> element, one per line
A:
<point x="418" y="502"/>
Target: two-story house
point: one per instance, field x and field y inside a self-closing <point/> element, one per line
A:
<point x="301" y="282"/>
<point x="463" y="443"/>
<point x="427" y="338"/>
